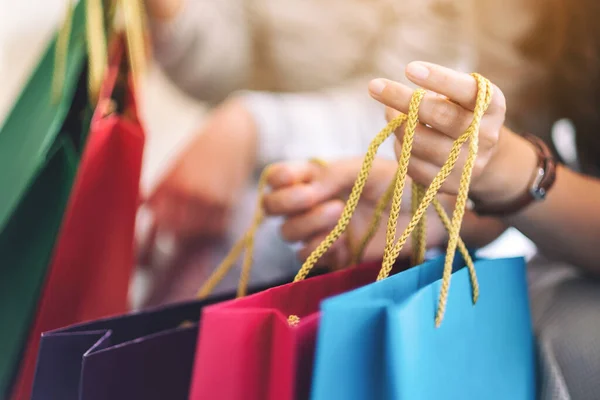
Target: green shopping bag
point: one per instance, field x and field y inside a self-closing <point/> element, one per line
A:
<point x="39" y="144"/>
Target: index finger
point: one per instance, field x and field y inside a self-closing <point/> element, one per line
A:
<point x="457" y="86"/>
<point x="285" y="174"/>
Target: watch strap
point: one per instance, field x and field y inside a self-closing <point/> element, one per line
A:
<point x="541" y="182"/>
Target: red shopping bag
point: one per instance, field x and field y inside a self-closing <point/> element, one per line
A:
<point x="261" y="347"/>
<point x="93" y="259"/>
<point x="250" y="348"/>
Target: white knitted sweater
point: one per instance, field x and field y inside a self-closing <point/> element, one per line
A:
<point x="304" y="64"/>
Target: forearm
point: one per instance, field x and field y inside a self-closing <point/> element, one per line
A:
<point x="566" y="225"/>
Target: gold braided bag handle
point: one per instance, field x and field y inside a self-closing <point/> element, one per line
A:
<point x="380" y="207"/>
<point x="394" y="193"/>
<point x="96" y="12"/>
<point x="419" y="236"/>
<point x="392" y="250"/>
<point x="353" y="199"/>
<point x="395" y="189"/>
<point x="246" y="243"/>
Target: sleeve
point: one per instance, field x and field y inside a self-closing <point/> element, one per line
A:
<point x="334" y="124"/>
<point x="341" y="122"/>
<point x="206" y="49"/>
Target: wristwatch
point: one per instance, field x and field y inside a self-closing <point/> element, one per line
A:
<point x="541" y="182"/>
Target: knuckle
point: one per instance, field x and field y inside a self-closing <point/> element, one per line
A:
<point x="418" y="174"/>
<point x="480" y="163"/>
<point x="489" y="139"/>
<point x="437" y="73"/>
<point x="306" y="199"/>
<point x="391" y="113"/>
<point x="489" y="134"/>
<point x="444" y="114"/>
<point x="498" y="101"/>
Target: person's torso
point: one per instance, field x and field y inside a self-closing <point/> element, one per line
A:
<point x="303" y="45"/>
<point x="313" y="44"/>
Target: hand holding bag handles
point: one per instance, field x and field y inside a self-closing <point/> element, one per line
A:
<point x="394" y="338"/>
<point x="262" y="346"/>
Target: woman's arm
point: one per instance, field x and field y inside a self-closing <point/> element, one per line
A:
<point x="204" y="46"/>
<point x="566" y="225"/>
<point x="342" y="123"/>
<point x="309" y="197"/>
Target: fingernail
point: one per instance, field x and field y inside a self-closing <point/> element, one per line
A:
<point x="376" y="86"/>
<point x="417" y="71"/>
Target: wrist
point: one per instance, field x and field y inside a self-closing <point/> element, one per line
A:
<point x="509" y="173"/>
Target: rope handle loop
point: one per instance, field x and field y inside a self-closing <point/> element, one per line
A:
<point x="395" y="192"/>
<point x="422" y="199"/>
<point x="352" y="203"/>
<point x="471" y="135"/>
<point x="356" y="192"/>
<point x="96" y="14"/>
<point x="246" y="243"/>
<point x="418" y="194"/>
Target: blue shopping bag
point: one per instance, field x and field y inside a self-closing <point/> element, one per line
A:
<point x="412" y="336"/>
<point x="381" y="341"/>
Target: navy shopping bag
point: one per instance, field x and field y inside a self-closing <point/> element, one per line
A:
<point x="381" y="342"/>
<point x="144" y="355"/>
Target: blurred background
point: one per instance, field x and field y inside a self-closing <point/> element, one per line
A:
<point x="172" y="118"/>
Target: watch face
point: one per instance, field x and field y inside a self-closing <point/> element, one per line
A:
<point x="537" y="192"/>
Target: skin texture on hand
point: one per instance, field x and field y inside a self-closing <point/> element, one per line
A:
<point x="445" y="113"/>
<point x="565" y="225"/>
<point x="310" y="197"/>
<point x="195" y="197"/>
